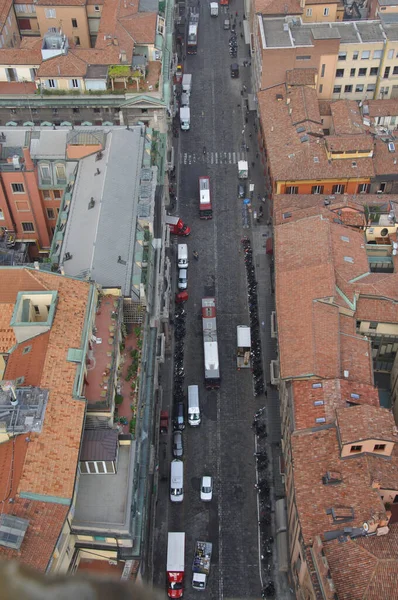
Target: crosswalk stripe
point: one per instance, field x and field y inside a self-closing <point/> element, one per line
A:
<point x="213" y="158"/>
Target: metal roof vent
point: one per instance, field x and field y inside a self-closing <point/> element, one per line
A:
<point x="304" y="138"/>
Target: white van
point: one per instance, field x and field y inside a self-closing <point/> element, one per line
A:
<point x="182" y="256"/>
<point x="193" y="406"/>
<point x="177" y="481"/>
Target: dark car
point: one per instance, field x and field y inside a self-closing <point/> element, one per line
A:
<point x="241" y="190"/>
<point x="179" y="416"/>
<point x="234" y="70"/>
<point x="178" y="446"/>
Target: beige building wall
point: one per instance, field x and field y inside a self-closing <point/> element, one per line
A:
<point x="367" y="446"/>
<point x="318" y="13"/>
<point x="21" y="73"/>
<point x="72" y="20"/>
<point x="326" y="72"/>
<point x="361" y="66"/>
<point x="62" y="83"/>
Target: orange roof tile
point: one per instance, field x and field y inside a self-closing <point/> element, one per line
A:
<point x="377" y="309"/>
<point x="313" y="455"/>
<point x="52" y="455"/>
<point x="347" y="118"/>
<point x="364" y="422"/>
<point x="61" y="2"/>
<point x="28" y="363"/>
<point x="382" y="108"/>
<point x="295" y="140"/>
<point x="141" y="27"/>
<point x="334" y="393"/>
<point x="301" y="76"/>
<point x="346" y="208"/>
<point x="365" y="568"/>
<point x="385" y="162"/>
<point x="306" y="276"/>
<point x="45" y="518"/>
<point x="347" y="143"/>
<point x="65" y="65"/>
<point x="277" y="7"/>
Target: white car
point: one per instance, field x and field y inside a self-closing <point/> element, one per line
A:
<point x="182" y="279"/>
<point x="206" y="488"/>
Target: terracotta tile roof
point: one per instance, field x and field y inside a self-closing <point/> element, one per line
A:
<point x="385" y="162"/>
<point x="381" y="108"/>
<point x="111" y="31"/>
<point x="331" y="269"/>
<point x="61" y="2"/>
<point x="348" y="209"/>
<point x="66" y="65"/>
<point x="364" y="422"/>
<point x="141" y="27"/>
<point x="20" y="56"/>
<point x="277" y="7"/>
<point x="313" y="455"/>
<point x="365" y="568"/>
<point x="345" y="143"/>
<point x="93" y="56"/>
<point x="301" y="76"/>
<point x="347" y="118"/>
<point x="356" y="356"/>
<point x="301" y="155"/>
<point x="29" y="365"/>
<point x="377" y="309"/>
<point x="17" y="87"/>
<point x="306" y="276"/>
<point x="52" y="455"/>
<point x="334" y="393"/>
<point x="45" y="519"/>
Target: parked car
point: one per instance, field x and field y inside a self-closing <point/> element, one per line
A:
<point x="178" y="446"/>
<point x="179" y="416"/>
<point x="164" y="421"/>
<point x="241" y="190"/>
<point x="182" y="279"/>
<point x="206" y="488"/>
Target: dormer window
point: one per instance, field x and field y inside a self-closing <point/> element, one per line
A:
<point x="355" y="449"/>
<point x="379" y="448"/>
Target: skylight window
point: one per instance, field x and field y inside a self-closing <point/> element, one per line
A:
<point x="344" y="238"/>
<point x="349" y="259"/>
<point x="316" y="385"/>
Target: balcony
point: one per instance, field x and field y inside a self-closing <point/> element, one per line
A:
<point x="103" y="357"/>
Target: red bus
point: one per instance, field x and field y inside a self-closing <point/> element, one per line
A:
<point x="205" y="210"/>
<point x="224" y="2"/>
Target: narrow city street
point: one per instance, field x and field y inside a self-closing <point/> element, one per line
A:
<point x="224" y="444"/>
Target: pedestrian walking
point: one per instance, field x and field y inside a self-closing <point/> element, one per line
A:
<point x="246" y="120"/>
<point x="236" y="14"/>
<point x="257" y="155"/>
<point x="265" y="393"/>
<point x="250" y="135"/>
<point x="253" y="163"/>
<point x="247" y="149"/>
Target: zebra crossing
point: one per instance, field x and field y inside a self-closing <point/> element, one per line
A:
<point x="212" y="158"/>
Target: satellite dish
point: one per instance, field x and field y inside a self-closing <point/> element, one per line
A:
<point x="365" y="526"/>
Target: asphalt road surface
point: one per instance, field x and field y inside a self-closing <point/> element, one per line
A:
<point x="223" y="445"/>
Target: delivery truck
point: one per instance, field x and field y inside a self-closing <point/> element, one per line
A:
<point x="243" y="169"/>
<point x="175" y="564"/>
<point x="201" y="565"/>
<point x="187" y="83"/>
<point x="177" y="226"/>
<point x="243" y="347"/>
<point x="185" y="118"/>
<point x="214" y="9"/>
